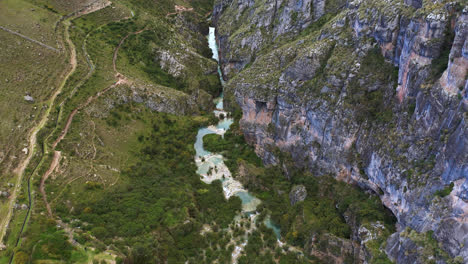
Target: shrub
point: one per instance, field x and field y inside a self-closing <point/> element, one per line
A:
<point x="444" y="192"/>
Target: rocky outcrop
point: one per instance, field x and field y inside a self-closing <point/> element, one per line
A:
<point x="273" y="20"/>
<point x="154" y="97"/>
<point x="332" y="249"/>
<point x="298" y="194"/>
<point x="28" y="98"/>
<point x="188" y="78"/>
<point x="414" y="3"/>
<point x="372" y="92"/>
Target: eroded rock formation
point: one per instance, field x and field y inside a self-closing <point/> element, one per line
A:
<point x="372" y="92"/>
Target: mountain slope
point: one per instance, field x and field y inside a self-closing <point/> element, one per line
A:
<point x="370" y="92"/>
<point x="135" y="76"/>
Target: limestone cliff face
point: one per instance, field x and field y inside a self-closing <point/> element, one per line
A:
<point x="372" y="92"/>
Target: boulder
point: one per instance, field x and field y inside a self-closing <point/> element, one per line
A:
<point x="28" y="98"/>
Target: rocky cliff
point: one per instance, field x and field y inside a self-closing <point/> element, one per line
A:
<point x="371" y="92"/>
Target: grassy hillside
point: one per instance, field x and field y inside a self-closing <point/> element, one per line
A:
<point x="104" y="125"/>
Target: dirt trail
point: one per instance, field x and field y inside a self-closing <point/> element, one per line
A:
<point x="116" y="52"/>
<point x="53" y="166"/>
<point x="28" y="38"/>
<point x="121" y="79"/>
<point x="19" y="171"/>
<point x="179" y="9"/>
<point x="75" y="111"/>
<point x="32" y="140"/>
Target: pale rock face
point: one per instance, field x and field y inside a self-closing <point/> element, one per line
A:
<point x="414" y="3"/>
<point x="298" y="194"/>
<point x="155" y="97"/>
<point x="319" y="8"/>
<point x="170" y="63"/>
<point x="275" y="18"/>
<point x="336" y="249"/>
<point x="286" y="104"/>
<point x="454" y="78"/>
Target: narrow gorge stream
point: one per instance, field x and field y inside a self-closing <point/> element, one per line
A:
<point x="211" y="167"/>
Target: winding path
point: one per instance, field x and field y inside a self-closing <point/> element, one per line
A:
<point x="53" y="166"/>
<point x="19" y="171"/>
<point x="32" y="140"/>
<point x="180" y="9"/>
<point x="121" y="79"/>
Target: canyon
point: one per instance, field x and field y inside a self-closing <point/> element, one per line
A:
<point x="373" y="93"/>
<point x="234" y="131"/>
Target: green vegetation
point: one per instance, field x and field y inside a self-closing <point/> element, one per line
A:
<point x="127" y="180"/>
<point x="325" y="207"/>
<point x="258" y="249"/>
<point x="50" y="8"/>
<point x="233" y="147"/>
<point x="99" y="150"/>
<point x="97" y="35"/>
<point x="53" y="244"/>
<point x="139" y="50"/>
<point x="334" y="5"/>
<point x="446" y="191"/>
<point x="372" y="105"/>
<point x="318" y="25"/>
<point x="294" y="17"/>
<point x="440" y="64"/>
<point x="153" y="212"/>
<point x="27" y="68"/>
<point x="162" y="199"/>
<point x="428" y="246"/>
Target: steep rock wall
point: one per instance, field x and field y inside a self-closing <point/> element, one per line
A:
<point x="309" y="81"/>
